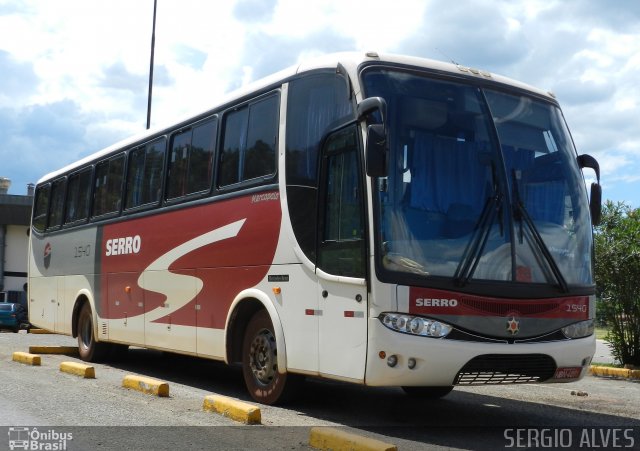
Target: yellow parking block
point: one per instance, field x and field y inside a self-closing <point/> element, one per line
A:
<point x="615" y="372"/>
<point x="79" y="369"/>
<point x="68" y="350"/>
<point x="25" y="357"/>
<point x="337" y="440"/>
<point x="146" y="385"/>
<point x="40" y="331"/>
<point x="232" y="408"/>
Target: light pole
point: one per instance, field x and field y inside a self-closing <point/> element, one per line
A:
<point x="153" y="45"/>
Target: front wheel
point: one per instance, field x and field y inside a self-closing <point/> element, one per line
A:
<point x="427" y="392"/>
<point x="260" y="363"/>
<point x="89" y="349"/>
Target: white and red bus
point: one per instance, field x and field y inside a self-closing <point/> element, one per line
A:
<point x="382" y="220"/>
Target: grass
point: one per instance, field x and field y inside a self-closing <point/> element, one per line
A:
<point x="601" y="332"/>
<point x="608" y="365"/>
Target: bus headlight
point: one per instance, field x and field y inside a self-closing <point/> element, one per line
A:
<point x="579" y="330"/>
<point x="415" y="325"/>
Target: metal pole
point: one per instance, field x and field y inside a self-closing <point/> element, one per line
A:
<point x="153" y="46"/>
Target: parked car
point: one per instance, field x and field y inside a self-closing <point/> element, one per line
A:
<point x="13" y="317"/>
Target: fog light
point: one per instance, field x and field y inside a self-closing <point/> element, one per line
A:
<point x="392" y="360"/>
<point x="411" y="363"/>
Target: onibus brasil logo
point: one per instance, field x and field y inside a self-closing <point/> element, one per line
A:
<point x="33" y="439"/>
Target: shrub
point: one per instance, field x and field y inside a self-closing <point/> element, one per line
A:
<point x="617" y="272"/>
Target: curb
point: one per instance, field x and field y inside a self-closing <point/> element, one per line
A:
<point x="39" y="331"/>
<point x="335" y="439"/>
<point x="232" y="408"/>
<point x="69" y="350"/>
<point x="146" y="385"/>
<point x="605" y="371"/>
<point x="25" y="357"/>
<point x="78" y="369"/>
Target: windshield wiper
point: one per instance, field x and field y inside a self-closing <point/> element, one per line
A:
<point x="476" y="245"/>
<point x="521" y="215"/>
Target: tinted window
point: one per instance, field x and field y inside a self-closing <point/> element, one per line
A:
<point x="108" y="186"/>
<point x="260" y="157"/>
<point x="249" y="146"/>
<point x="191" y="164"/>
<point x="316" y="103"/>
<point x="57" y="204"/>
<point x="342" y="249"/>
<point x="203" y="142"/>
<point x="144" y="180"/>
<point x="234" y="133"/>
<point x="77" y="208"/>
<point x="180" y="145"/>
<point x="40" y="208"/>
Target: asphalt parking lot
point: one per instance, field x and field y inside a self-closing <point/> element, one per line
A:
<point x="102" y="410"/>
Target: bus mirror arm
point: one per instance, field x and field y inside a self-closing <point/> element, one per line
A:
<point x="587" y="161"/>
<point x="595" y="197"/>
<point x="371" y="104"/>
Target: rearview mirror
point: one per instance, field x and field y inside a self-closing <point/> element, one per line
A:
<point x="595" y="196"/>
<point x="377" y="151"/>
<point x="595" y="203"/>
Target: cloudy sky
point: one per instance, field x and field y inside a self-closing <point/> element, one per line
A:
<point x="74" y="73"/>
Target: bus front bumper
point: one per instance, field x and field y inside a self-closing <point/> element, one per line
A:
<point x="397" y="359"/>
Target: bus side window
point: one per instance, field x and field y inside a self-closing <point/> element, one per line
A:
<point x="40" y="208"/>
<point x="203" y="143"/>
<point x="178" y="164"/>
<point x="260" y="156"/>
<point x="191" y="161"/>
<point x="108" y="186"/>
<point x="77" y="206"/>
<point x="249" y="142"/>
<point x="57" y="204"/>
<point x="235" y="125"/>
<point x="144" y="178"/>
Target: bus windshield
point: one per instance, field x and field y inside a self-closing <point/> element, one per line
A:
<point x="483" y="185"/>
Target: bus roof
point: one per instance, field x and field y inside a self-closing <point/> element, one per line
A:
<point x="349" y="60"/>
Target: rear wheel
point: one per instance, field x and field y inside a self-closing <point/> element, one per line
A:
<point x="427" y="392"/>
<point x="89" y="349"/>
<point x="260" y="363"/>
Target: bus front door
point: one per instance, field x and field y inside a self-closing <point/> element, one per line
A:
<point x="341" y="259"/>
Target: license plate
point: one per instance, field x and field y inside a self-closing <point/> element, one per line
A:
<point x="568" y="373"/>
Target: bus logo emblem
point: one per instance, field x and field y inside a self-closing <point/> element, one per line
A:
<point x="513" y="325"/>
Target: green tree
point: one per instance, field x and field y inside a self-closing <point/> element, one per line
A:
<point x="617" y="271"/>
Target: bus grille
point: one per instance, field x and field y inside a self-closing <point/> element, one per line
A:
<point x="506" y="369"/>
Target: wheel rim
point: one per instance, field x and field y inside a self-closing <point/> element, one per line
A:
<point x="262" y="357"/>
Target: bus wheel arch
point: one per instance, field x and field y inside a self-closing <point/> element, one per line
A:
<point x="239" y="316"/>
<point x="255" y="339"/>
<point x="246" y="304"/>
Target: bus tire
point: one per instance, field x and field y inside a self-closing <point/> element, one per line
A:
<point x="260" y="363"/>
<point x="89" y="349"/>
<point x="428" y="392"/>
